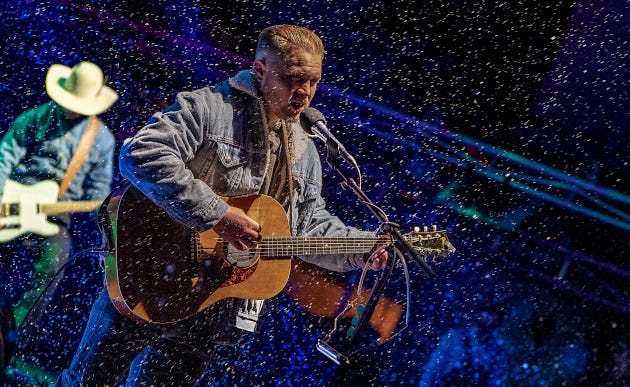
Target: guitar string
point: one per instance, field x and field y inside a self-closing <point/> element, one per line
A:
<point x="288" y="244"/>
<point x="290" y="241"/>
<point x="284" y="243"/>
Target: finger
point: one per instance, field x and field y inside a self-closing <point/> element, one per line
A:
<point x="239" y="245"/>
<point x="379" y="261"/>
<point x="255" y="226"/>
<point x="252" y="237"/>
<point x="250" y="243"/>
<point x="379" y="250"/>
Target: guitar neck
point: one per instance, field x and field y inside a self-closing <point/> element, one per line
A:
<point x="66" y="207"/>
<point x="302" y="246"/>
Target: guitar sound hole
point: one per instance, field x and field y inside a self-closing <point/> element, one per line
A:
<point x="241" y="259"/>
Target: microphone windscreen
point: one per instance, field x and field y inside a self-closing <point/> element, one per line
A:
<point x="312" y="115"/>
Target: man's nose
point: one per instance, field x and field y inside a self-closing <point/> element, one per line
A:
<point x="305" y="88"/>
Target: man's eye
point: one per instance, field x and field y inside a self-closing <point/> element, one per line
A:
<point x="299" y="79"/>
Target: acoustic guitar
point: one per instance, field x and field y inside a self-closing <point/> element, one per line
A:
<point x="159" y="271"/>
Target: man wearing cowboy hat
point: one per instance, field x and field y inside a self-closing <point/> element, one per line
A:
<point x="42" y="144"/>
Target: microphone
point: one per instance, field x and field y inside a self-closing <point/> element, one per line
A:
<point x="315" y="122"/>
<point x="312" y="118"/>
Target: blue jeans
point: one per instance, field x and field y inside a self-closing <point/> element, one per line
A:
<point x="150" y="354"/>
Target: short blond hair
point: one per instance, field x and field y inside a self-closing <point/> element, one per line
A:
<point x="283" y="38"/>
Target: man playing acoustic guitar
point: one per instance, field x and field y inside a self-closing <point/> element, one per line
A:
<point x="194" y="161"/>
<point x="59" y="143"/>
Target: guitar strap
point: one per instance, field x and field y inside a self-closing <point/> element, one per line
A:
<point x="248" y="310"/>
<point x="285" y="139"/>
<point x="85" y="143"/>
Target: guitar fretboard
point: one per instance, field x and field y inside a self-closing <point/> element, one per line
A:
<point x="291" y="246"/>
<point x="284" y="246"/>
<point x="65" y="207"/>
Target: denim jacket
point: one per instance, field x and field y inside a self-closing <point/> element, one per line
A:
<point x="212" y="142"/>
<point x="40" y="145"/>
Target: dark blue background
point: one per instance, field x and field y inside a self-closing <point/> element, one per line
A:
<point x="432" y="98"/>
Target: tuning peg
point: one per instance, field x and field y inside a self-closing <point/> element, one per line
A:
<point x="416" y="229"/>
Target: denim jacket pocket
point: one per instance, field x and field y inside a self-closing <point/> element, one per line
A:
<point x="231" y="155"/>
<point x="222" y="166"/>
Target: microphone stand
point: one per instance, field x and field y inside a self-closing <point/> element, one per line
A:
<point x="332" y="158"/>
<point x="335" y="153"/>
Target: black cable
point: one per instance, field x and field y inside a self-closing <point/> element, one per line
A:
<point x="54" y="278"/>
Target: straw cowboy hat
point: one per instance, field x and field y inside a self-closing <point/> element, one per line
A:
<point x="80" y="89"/>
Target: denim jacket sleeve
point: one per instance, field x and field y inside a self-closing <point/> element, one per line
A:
<point x="11" y="152"/>
<point x="98" y="180"/>
<point x="325" y="224"/>
<point x="155" y="159"/>
<point x="314" y="219"/>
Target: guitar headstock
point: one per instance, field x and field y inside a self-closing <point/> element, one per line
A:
<point x="430" y="241"/>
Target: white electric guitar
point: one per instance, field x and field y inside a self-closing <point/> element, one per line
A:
<point x="24" y="208"/>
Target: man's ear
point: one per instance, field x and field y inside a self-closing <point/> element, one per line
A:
<point x="259" y="69"/>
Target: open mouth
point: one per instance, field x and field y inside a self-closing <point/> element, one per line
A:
<point x="297" y="105"/>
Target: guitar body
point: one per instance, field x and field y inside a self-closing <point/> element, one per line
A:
<point x="25" y="208"/>
<point x="29" y="218"/>
<point x="160" y="271"/>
